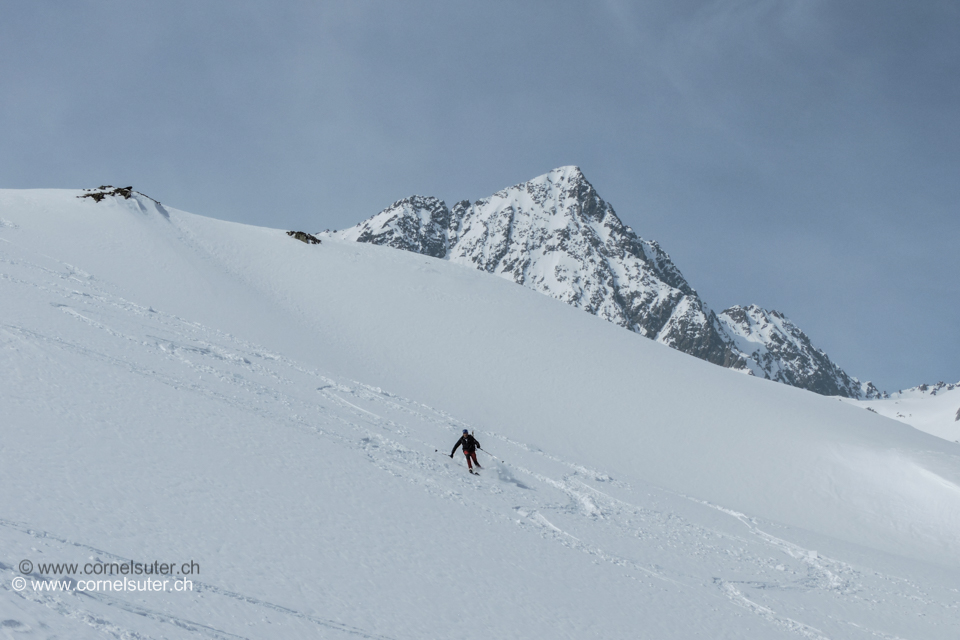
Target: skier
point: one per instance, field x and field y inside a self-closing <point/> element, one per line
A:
<point x="470" y="446"/>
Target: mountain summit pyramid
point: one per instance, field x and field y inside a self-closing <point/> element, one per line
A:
<point x="556" y="235"/>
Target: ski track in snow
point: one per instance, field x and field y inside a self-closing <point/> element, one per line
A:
<point x="555" y="499"/>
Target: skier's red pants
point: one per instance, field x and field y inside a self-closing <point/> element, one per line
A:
<point x="471" y="454"/>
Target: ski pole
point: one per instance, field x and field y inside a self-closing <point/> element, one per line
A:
<point x="490" y="454"/>
<point x="443" y="454"/>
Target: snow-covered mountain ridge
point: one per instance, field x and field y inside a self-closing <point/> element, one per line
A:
<point x="778" y="350"/>
<point x="556" y="235"/>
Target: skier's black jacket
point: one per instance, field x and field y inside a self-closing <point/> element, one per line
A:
<point x="469" y="444"/>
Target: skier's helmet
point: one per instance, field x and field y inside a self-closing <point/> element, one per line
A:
<point x="464" y="432"/>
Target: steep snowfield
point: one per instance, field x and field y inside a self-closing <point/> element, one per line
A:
<point x="185" y="389"/>
<point x="932" y="408"/>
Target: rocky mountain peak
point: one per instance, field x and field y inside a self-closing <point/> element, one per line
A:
<point x="556" y="235"/>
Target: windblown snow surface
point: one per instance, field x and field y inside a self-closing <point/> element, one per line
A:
<point x="182" y="389"/>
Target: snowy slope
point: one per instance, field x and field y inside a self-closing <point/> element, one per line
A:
<point x="932" y="408"/>
<point x="556" y="235"/>
<point x="181" y="388"/>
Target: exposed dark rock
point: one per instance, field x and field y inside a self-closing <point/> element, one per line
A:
<point x="934" y="389"/>
<point x="870" y="391"/>
<point x="103" y="191"/>
<point x="127" y="193"/>
<point x="303" y="236"/>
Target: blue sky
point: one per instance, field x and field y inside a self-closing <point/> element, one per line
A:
<point x="803" y="156"/>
